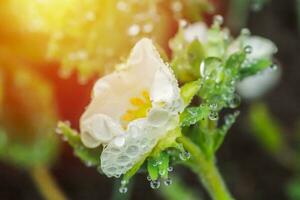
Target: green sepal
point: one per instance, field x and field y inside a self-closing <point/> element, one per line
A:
<point x="189" y="90"/>
<point x="91" y="157"/>
<point x="152" y="167"/>
<point x="163" y="164"/>
<point x="254" y="67"/>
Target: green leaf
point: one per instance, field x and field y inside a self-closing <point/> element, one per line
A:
<point x="235" y="61"/>
<point x="90" y="157"/>
<point x="192" y="115"/>
<point x="265" y="128"/>
<point x="27" y="118"/>
<point x="179" y="191"/>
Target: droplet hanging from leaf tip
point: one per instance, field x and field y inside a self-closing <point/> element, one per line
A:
<point x="155" y="184"/>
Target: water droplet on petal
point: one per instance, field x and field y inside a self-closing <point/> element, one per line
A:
<point x="245" y="32"/>
<point x="248" y="49"/>
<point x="274" y="66"/>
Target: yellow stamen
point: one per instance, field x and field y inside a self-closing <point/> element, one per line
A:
<point x="142" y="105"/>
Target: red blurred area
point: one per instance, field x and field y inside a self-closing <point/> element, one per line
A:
<point x="71" y="96"/>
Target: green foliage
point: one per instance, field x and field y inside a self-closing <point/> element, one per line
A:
<point x="293" y="189"/>
<point x="265" y="128"/>
<point x="186" y="57"/>
<point x="27" y="118"/>
<point x="254" y="67"/>
<point x="178" y="191"/>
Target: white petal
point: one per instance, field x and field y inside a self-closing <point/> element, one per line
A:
<point x="165" y="91"/>
<point x="257" y="85"/>
<point x="112" y="93"/>
<point x="99" y="129"/>
<point x="261" y="47"/>
<point x="140" y="139"/>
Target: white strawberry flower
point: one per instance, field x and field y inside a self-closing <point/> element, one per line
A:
<point x="131" y="110"/>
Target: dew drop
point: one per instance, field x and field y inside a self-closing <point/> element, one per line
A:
<point x="133" y="30"/>
<point x="123" y="189"/>
<point x="89" y="164"/>
<point x="235" y="101"/>
<point x="176" y="6"/>
<point x="245" y="32"/>
<point x="248" y="49"/>
<point x="162" y="172"/>
<point x="274" y="67"/>
<point x="124" y="182"/>
<point x="213" y="116"/>
<point x="170" y="169"/>
<point x="183" y="23"/>
<point x="149" y="178"/>
<point x="147" y="28"/>
<point x="187" y="154"/>
<point x="213" y="106"/>
<point x="218" y="20"/>
<point x="168" y="182"/>
<point x="155" y="184"/>
<point x="58" y="130"/>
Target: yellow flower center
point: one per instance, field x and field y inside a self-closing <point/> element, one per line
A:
<point x="142" y="105"/>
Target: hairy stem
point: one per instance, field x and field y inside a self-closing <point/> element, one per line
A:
<point x="207" y="171"/>
<point x="46" y="184"/>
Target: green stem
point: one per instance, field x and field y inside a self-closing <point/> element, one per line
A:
<point x="207" y="171"/>
<point x="46" y="184"/>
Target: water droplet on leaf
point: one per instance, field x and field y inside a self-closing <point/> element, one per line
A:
<point x="170" y="169"/>
<point x="123" y="190"/>
<point x="168" y="182"/>
<point x="155" y="184"/>
<point x="213" y="116"/>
